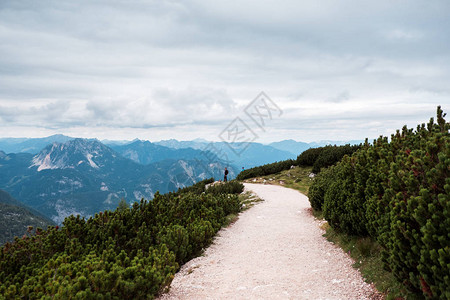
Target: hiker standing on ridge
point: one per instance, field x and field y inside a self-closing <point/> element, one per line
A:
<point x="225" y="175"/>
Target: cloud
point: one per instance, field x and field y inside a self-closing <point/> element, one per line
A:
<point x="189" y="68"/>
<point x="405" y="35"/>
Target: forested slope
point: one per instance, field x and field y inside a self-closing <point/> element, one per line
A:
<point x="15" y="218"/>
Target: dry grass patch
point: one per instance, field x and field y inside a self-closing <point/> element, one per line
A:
<point x="296" y="178"/>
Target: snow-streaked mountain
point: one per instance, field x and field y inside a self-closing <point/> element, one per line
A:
<point x="77" y="153"/>
<point x="81" y="176"/>
<point x="85" y="176"/>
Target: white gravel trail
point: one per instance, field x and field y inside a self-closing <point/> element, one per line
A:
<point x="274" y="251"/>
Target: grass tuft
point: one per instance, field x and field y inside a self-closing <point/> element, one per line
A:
<point x="247" y="199"/>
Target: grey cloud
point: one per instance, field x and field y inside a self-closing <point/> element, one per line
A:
<point x="341" y="97"/>
<point x="157" y="64"/>
<point x="53" y="112"/>
<point x="8" y="114"/>
<point x="163" y="107"/>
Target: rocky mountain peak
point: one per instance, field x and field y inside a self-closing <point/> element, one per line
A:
<point x="73" y="154"/>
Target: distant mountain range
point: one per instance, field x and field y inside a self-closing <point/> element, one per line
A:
<point x="85" y="176"/>
<point x="255" y="154"/>
<point x="291" y="146"/>
<point x="60" y="175"/>
<point x="247" y="156"/>
<point x="15" y="218"/>
<point x="30" y="145"/>
<point x="35" y="145"/>
<point x="144" y="152"/>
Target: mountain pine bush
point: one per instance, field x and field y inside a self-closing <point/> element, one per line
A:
<point x="131" y="253"/>
<point x="230" y="187"/>
<point x="196" y="188"/>
<point x="397" y="192"/>
<point x="309" y="156"/>
<point x="344" y="206"/>
<point x="326" y="156"/>
<point x="316" y="192"/>
<point x="266" y="169"/>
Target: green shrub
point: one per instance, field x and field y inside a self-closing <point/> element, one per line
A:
<point x="322" y="182"/>
<point x="330" y="155"/>
<point x="266" y="169"/>
<point x="196" y="188"/>
<point x="344" y="204"/>
<point x="398" y="193"/>
<point x="309" y="157"/>
<point x="230" y="187"/>
<point x="324" y="157"/>
<point x="125" y="254"/>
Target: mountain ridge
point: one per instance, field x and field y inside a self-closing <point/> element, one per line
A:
<point x="84" y="176"/>
<point x="146" y="152"/>
<point x="241" y="155"/>
<point x="30" y="145"/>
<point x="34" y="145"/>
<point x="15" y="217"/>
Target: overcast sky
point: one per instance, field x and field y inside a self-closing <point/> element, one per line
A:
<point x="153" y="70"/>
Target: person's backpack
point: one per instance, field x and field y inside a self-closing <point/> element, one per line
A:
<point x="226" y="172"/>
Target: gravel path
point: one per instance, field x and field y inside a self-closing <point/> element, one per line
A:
<point x="274" y="251"/>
